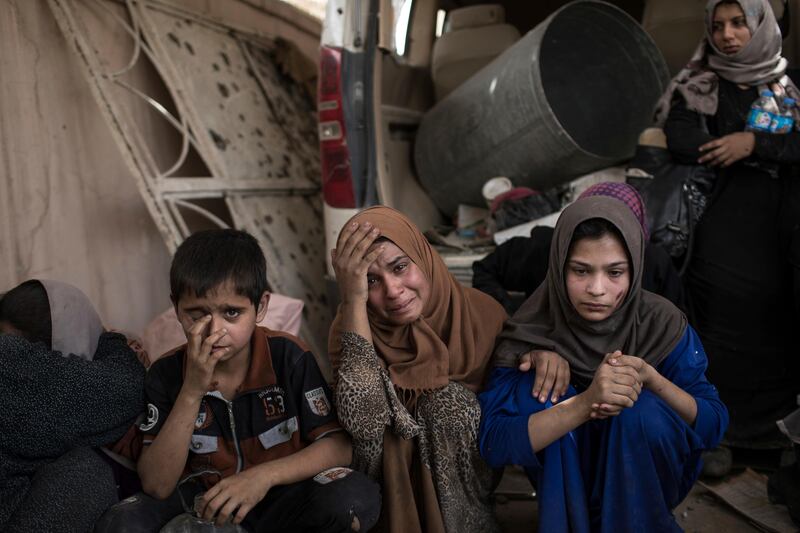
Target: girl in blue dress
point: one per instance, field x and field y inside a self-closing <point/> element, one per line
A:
<point x="621" y="447"/>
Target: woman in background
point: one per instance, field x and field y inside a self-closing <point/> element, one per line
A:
<point x="743" y="283"/>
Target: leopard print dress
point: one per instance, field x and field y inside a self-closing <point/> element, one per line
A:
<point x="445" y="428"/>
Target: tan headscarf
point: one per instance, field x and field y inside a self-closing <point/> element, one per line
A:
<point x="758" y="64"/>
<point x="645" y="325"/>
<point x="454" y="337"/>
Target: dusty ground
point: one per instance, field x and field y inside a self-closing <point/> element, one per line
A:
<point x="700" y="512"/>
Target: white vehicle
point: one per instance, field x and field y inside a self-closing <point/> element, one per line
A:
<point x="384" y="65"/>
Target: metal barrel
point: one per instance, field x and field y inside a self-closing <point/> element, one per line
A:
<point x="570" y="97"/>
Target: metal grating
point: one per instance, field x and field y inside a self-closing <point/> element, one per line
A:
<point x="250" y="128"/>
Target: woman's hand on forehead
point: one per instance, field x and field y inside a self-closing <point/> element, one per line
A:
<point x="352" y="258"/>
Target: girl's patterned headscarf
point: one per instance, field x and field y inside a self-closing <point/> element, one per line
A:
<point x="626" y="194"/>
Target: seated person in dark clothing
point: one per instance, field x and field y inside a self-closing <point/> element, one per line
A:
<point x="520" y="264"/>
<point x="69" y="389"/>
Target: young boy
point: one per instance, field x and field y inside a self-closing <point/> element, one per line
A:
<point x="245" y="402"/>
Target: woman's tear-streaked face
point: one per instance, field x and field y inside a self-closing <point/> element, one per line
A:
<point x="398" y="289"/>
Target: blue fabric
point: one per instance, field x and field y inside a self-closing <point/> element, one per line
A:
<point x="625" y="473"/>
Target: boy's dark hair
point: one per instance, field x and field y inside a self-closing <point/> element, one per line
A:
<point x="210" y="258"/>
<point x="27" y="308"/>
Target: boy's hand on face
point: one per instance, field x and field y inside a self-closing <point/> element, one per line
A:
<point x="201" y="357"/>
<point x="234" y="496"/>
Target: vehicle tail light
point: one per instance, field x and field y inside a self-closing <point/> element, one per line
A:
<point x="337" y="178"/>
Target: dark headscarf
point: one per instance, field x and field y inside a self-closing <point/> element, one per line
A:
<point x="645" y="325"/>
<point x="454" y="337"/>
<point x="758" y="64"/>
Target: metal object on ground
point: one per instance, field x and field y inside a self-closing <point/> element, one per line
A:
<point x="570" y="97"/>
